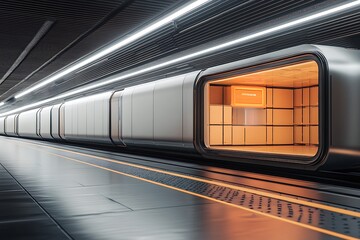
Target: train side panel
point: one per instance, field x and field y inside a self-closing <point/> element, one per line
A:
<point x="11" y="125"/>
<point x="28" y="124"/>
<point x="126" y="116"/>
<point x="2" y="126"/>
<point x="344" y="65"/>
<point x="55" y="122"/>
<point x="188" y="109"/>
<point x="142" y="112"/>
<point x="87" y="119"/>
<point x="116" y="118"/>
<point x="45" y="123"/>
<point x="168" y="124"/>
<point x="344" y="98"/>
<point x="159" y="113"/>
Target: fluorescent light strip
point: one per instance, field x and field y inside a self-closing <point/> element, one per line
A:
<point x="142" y="33"/>
<point x="1" y="104"/>
<point x="197" y="54"/>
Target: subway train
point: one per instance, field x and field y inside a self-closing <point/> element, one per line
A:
<point x="294" y="108"/>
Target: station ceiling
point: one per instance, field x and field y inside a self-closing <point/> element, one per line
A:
<point x="40" y="37"/>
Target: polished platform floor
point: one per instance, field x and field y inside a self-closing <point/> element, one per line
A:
<point x="301" y="150"/>
<point x="52" y="191"/>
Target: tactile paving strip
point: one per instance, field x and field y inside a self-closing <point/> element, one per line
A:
<point x="332" y="221"/>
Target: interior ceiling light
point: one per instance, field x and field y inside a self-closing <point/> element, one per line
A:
<point x="289" y="24"/>
<point x="1" y="104"/>
<point x="121" y="43"/>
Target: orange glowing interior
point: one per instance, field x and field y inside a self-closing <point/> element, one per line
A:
<point x="268" y="111"/>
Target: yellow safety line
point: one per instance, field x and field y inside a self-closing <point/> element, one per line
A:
<point x="336" y="234"/>
<point x="249" y="190"/>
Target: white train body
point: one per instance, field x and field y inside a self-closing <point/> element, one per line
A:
<point x="175" y="113"/>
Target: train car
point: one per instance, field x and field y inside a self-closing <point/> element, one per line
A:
<point x="292" y="108"/>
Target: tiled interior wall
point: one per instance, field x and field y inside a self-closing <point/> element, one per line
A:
<point x="290" y="117"/>
<point x="306" y="108"/>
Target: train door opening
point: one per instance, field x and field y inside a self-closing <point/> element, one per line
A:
<point x="273" y="110"/>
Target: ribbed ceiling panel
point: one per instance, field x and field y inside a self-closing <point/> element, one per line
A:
<point x="72" y="20"/>
<point x="224" y="19"/>
<point x="21" y="19"/>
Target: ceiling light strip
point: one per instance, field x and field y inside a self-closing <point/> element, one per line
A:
<point x="307" y="19"/>
<point x="122" y="43"/>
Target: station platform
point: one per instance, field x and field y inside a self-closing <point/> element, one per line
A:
<point x="55" y="191"/>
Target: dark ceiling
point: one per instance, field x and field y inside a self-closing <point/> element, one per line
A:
<point x="79" y="27"/>
<point x="39" y="37"/>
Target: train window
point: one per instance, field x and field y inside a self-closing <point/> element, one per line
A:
<point x="267" y="111"/>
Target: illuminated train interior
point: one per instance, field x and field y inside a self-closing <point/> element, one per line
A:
<point x="273" y="110"/>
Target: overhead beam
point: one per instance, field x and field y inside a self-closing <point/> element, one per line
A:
<point x="36" y="39"/>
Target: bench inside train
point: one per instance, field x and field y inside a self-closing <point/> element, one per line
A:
<point x="274" y="110"/>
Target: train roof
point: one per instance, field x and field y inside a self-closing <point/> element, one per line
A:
<point x="333" y="56"/>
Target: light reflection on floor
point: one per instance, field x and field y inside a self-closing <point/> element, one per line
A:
<point x="308" y="151"/>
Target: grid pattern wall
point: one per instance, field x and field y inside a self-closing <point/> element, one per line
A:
<point x="290" y="117"/>
<point x="306" y="109"/>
